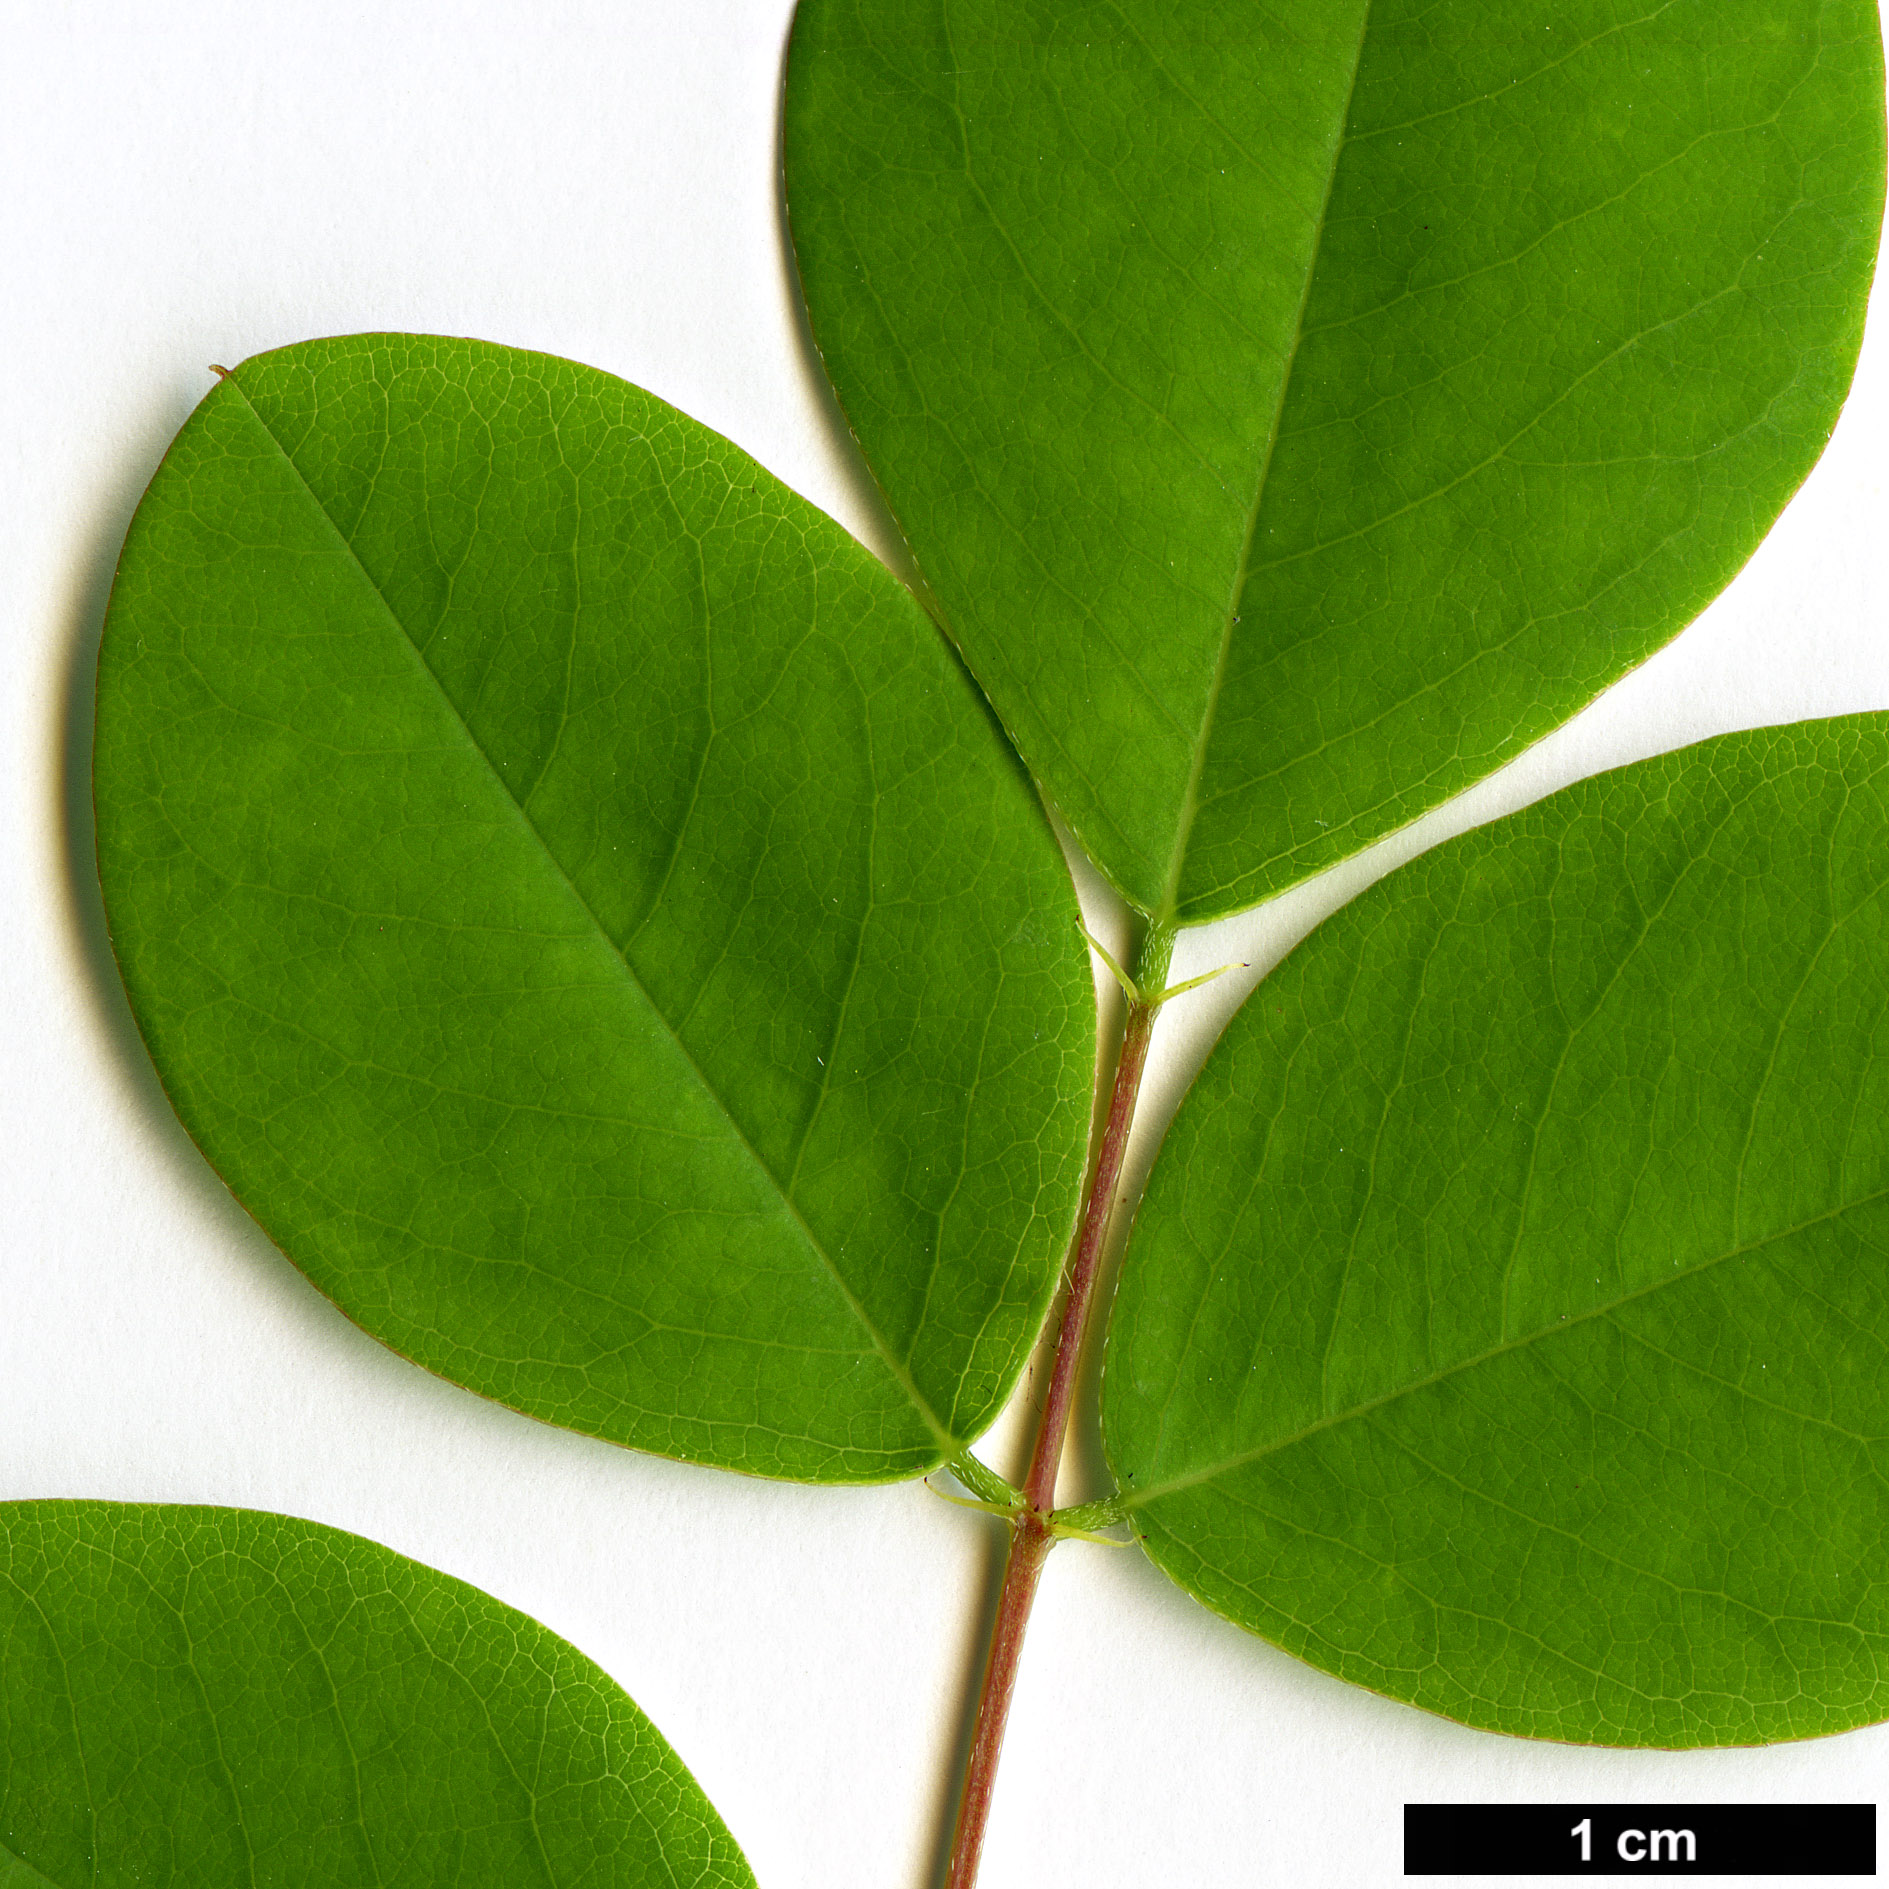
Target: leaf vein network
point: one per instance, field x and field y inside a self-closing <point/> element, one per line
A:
<point x="1138" y="1498"/>
<point x="942" y="1436"/>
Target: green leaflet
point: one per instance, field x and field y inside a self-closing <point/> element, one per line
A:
<point x="585" y="915"/>
<point x="15" y="1874"/>
<point x="192" y="1698"/>
<point x="1296" y="411"/>
<point x="1506" y="1326"/>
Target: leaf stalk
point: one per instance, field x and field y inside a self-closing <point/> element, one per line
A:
<point x="1035" y="1526"/>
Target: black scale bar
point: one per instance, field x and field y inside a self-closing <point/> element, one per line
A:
<point x="1640" y="1840"/>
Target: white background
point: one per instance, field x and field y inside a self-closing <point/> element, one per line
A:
<point x="194" y="182"/>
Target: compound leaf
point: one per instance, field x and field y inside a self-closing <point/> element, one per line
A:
<point x="1296" y="410"/>
<point x="584" y="912"/>
<point x="1506" y="1327"/>
<point x="192" y="1698"/>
